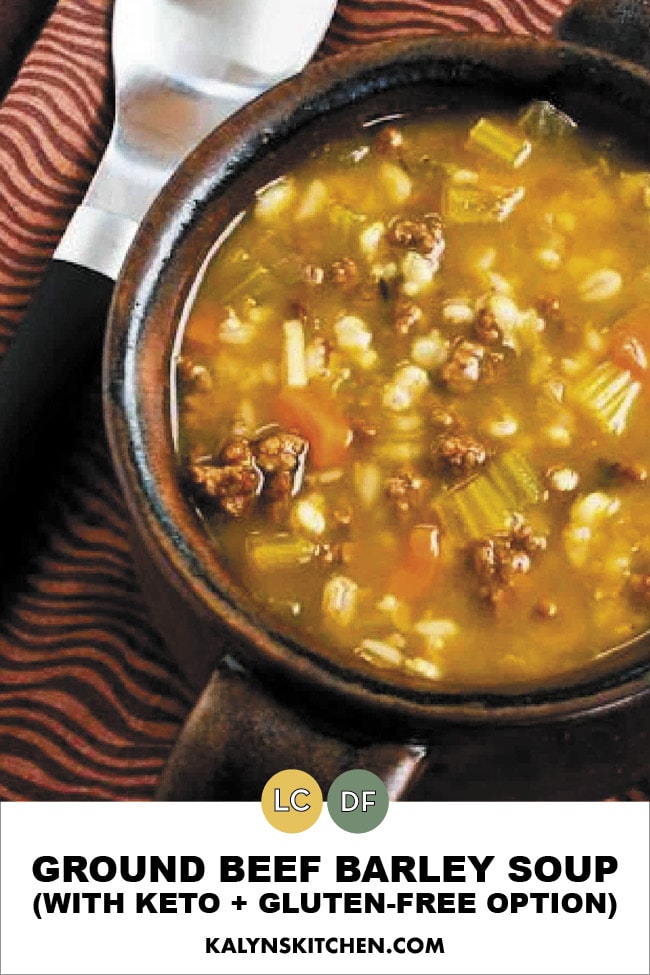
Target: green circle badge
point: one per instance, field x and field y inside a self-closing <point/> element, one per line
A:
<point x="358" y="801"/>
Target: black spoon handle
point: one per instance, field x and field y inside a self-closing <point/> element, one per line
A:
<point x="60" y="336"/>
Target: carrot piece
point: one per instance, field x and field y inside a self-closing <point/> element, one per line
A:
<point x="424" y="544"/>
<point x="318" y="418"/>
<point x="206" y="313"/>
<point x="414" y="575"/>
<point x="409" y="581"/>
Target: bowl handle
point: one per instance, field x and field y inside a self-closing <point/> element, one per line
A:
<point x="620" y="27"/>
<point x="239" y="735"/>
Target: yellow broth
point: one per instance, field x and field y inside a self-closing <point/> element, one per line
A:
<point x="412" y="400"/>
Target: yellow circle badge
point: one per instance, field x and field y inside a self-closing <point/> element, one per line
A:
<point x="292" y="800"/>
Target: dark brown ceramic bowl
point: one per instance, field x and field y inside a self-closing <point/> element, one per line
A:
<point x="275" y="704"/>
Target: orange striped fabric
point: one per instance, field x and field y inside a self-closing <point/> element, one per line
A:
<point x="89" y="702"/>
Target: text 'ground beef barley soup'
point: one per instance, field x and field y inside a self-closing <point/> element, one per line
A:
<point x="411" y="400"/>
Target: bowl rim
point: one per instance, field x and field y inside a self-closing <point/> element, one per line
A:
<point x="171" y="533"/>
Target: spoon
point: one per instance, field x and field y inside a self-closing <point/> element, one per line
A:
<point x="180" y="67"/>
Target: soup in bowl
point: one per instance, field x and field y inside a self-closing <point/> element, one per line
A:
<point x="376" y="393"/>
<point x="411" y="403"/>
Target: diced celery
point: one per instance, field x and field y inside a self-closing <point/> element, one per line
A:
<point x="347" y="222"/>
<point x="507" y="146"/>
<point x="481" y="205"/>
<point x="544" y="121"/>
<point x="488" y="502"/>
<point x="518" y="477"/>
<point x="608" y="394"/>
<point x="486" y="499"/>
<point x="458" y="510"/>
<point x="278" y="552"/>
